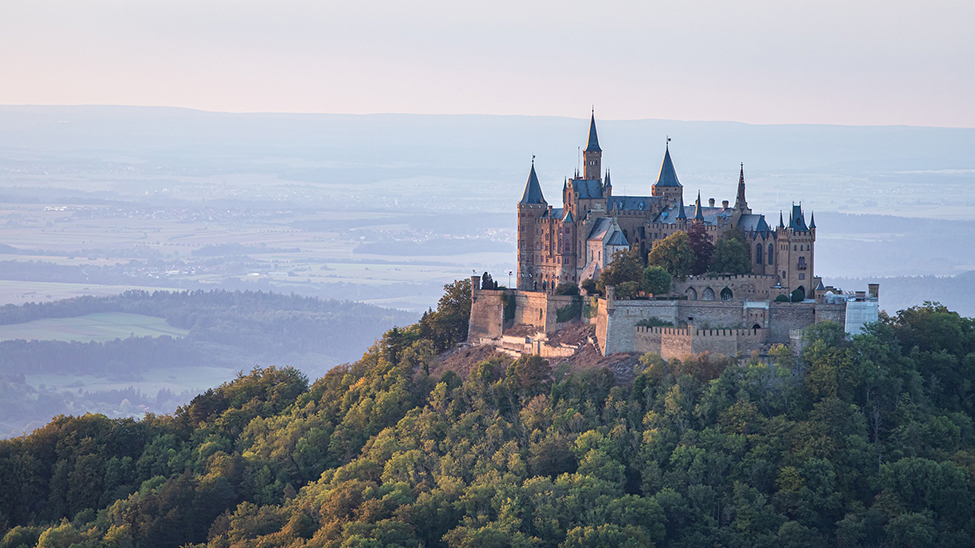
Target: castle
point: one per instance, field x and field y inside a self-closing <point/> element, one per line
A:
<point x="719" y="314"/>
<point x="574" y="242"/>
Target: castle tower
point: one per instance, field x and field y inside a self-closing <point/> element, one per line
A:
<point x="531" y="208"/>
<point x="795" y="246"/>
<point x="593" y="155"/>
<point x="667" y="186"/>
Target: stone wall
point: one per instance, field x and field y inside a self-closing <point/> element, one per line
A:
<point x="784" y="317"/>
<point x="680" y="342"/>
<point x="755" y="287"/>
<point x="616" y="321"/>
<point x="487" y="314"/>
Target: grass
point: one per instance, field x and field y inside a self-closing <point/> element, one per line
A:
<point x="100" y="327"/>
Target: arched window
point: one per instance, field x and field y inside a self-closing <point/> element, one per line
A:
<point x="770" y="253"/>
<point x="802" y="263"/>
<point x="726" y="294"/>
<point x="691" y="294"/>
<point x="758" y="253"/>
<point x="708" y="294"/>
<point x="756" y="326"/>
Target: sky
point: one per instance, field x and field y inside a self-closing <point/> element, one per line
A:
<point x="863" y="62"/>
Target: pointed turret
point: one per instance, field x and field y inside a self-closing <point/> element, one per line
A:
<point x="740" y="203"/>
<point x="593" y="155"/>
<point x="667" y="175"/>
<point x="698" y="212"/>
<point x="593" y="144"/>
<point x="812" y="220"/>
<point x="533" y="190"/>
<point x="680" y="213"/>
<point x="781" y="224"/>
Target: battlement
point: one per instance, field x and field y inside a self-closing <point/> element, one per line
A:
<point x="705" y="333"/>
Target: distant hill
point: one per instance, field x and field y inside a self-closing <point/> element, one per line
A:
<point x="225" y="332"/>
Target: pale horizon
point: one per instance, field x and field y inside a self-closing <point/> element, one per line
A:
<point x="761" y="63"/>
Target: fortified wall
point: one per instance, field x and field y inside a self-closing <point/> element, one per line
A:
<point x="679" y="342"/>
<point x="727" y="315"/>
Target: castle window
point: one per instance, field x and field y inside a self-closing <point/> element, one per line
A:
<point x="802" y="263"/>
<point x="770" y="253"/>
<point x="726" y="294"/>
<point x="708" y="294"/>
<point x="802" y="275"/>
<point x="758" y="253"/>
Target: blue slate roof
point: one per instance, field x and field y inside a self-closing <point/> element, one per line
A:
<point x="797" y="220"/>
<point x="753" y="222"/>
<point x="593" y="144"/>
<point x="617" y="238"/>
<point x="600" y="228"/>
<point x="568" y="217"/>
<point x="588" y="189"/>
<point x="556" y="213"/>
<point x="533" y="190"/>
<point x="709" y="215"/>
<point x="628" y="203"/>
<point x="698" y="214"/>
<point x="667" y="176"/>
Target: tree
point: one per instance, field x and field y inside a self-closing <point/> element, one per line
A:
<point x="567" y="288"/>
<point x="656" y="280"/>
<point x="589" y="286"/>
<point x="625" y="267"/>
<point x="673" y="254"/>
<point x="731" y="257"/>
<point x="702" y="247"/>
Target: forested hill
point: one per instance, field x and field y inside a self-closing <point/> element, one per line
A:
<point x="862" y="442"/>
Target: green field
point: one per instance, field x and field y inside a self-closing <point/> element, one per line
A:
<point x="100" y="327"/>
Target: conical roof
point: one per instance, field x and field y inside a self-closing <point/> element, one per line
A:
<point x="668" y="175"/>
<point x="533" y="190"/>
<point x="680" y="213"/>
<point x="698" y="213"/>
<point x="740" y="202"/>
<point x="593" y="144"/>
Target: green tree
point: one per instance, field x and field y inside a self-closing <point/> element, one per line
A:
<point x="673" y="254"/>
<point x="730" y="257"/>
<point x="656" y="280"/>
<point x="625" y="267"/>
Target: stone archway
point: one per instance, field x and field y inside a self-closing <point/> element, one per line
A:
<point x="708" y="294"/>
<point x="726" y="294"/>
<point x="691" y="294"/>
<point x="756" y="326"/>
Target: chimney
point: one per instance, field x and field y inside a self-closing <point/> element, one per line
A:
<point x="873" y="290"/>
<point x="711" y="202"/>
<point x="724" y="204"/>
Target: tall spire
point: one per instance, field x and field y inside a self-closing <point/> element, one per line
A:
<point x="740" y="203"/>
<point x="668" y="175"/>
<point x="812" y="220"/>
<point x="680" y="213"/>
<point x="698" y="213"/>
<point x="533" y="190"/>
<point x="781" y="223"/>
<point x="593" y="144"/>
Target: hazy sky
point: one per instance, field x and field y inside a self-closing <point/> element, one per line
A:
<point x="824" y="61"/>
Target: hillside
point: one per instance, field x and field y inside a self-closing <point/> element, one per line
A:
<point x="144" y="352"/>
<point x="862" y="442"/>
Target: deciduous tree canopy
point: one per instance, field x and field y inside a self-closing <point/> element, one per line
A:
<point x="863" y="441"/>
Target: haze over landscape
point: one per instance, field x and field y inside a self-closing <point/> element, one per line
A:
<point x="214" y="214"/>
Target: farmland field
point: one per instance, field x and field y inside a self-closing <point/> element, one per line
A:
<point x="99" y="327"/>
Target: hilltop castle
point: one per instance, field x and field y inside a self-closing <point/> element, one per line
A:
<point x="731" y="315"/>
<point x="574" y="242"/>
